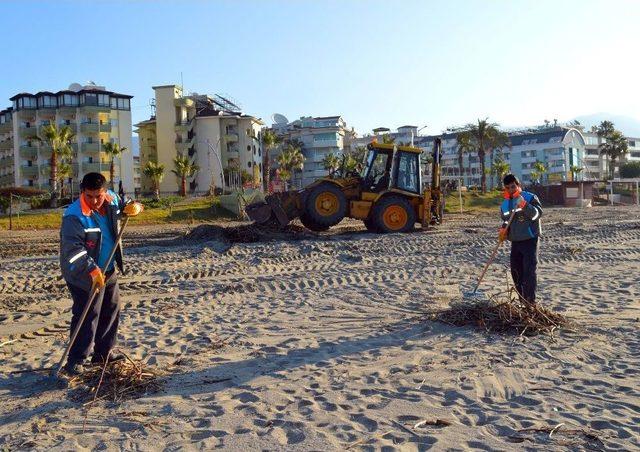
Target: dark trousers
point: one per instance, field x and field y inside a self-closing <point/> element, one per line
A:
<point x="524" y="263"/>
<point x="100" y="327"/>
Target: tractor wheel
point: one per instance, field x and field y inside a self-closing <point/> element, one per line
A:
<point x="393" y="214"/>
<point x="325" y="206"/>
<point x="311" y="225"/>
<point x="370" y="224"/>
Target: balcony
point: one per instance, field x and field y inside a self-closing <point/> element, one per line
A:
<point x="233" y="154"/>
<point x="6" y="145"/>
<point x="6" y="127"/>
<point x="7" y="179"/>
<point x="184" y="126"/>
<point x="90" y="147"/>
<point x="94" y="109"/>
<point x="28" y="132"/>
<point x="184" y="146"/>
<point x="94" y="167"/>
<point x="183" y="102"/>
<point x="29" y="171"/>
<point x="29" y="152"/>
<point x="94" y="127"/>
<point x="73" y="126"/>
<point x="231" y="137"/>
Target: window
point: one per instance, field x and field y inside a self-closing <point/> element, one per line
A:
<point x="89" y="99"/>
<point x="528" y="154"/>
<point x="114" y="103"/>
<point x="103" y="100"/>
<point x="70" y="100"/>
<point x="120" y="104"/>
<point x="632" y="143"/>
<point x="407" y="175"/>
<point x="249" y="148"/>
<point x="249" y="164"/>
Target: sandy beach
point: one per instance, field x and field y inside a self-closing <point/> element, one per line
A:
<point x="323" y="343"/>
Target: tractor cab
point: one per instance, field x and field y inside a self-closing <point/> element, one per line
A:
<point x="388" y="166"/>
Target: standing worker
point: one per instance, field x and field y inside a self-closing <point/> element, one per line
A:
<point x="524" y="233"/>
<point x="89" y="229"/>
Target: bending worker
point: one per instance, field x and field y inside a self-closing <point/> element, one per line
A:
<point x="523" y="233"/>
<point x="89" y="228"/>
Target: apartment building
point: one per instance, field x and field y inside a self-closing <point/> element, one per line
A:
<point x="597" y="166"/>
<point x="319" y="136"/>
<point x="558" y="148"/>
<point x="95" y="116"/>
<point x="210" y="130"/>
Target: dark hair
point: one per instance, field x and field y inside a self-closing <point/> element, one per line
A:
<point x="509" y="178"/>
<point x="93" y="181"/>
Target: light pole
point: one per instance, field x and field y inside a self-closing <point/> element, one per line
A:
<point x="417" y="132"/>
<point x="212" y="150"/>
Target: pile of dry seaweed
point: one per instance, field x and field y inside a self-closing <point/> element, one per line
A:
<point x="505" y="313"/>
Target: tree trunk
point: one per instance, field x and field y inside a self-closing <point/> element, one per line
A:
<point x="156" y="190"/>
<point x="53" y="177"/>
<point x="266" y="170"/>
<point x="183" y="186"/>
<point x="483" y="176"/>
<point x="460" y="165"/>
<point x="112" y="174"/>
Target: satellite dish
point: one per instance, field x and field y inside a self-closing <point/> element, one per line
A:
<point x="279" y="119"/>
<point x="75" y="87"/>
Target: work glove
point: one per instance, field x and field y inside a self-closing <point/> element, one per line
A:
<point x="502" y="234"/>
<point x="133" y="209"/>
<point x="97" y="278"/>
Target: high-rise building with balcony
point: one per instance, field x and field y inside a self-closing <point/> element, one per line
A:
<point x="95" y="116"/>
<point x="210" y="130"/>
<point x="319" y="137"/>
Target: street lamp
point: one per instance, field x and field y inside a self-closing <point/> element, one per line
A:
<point x="417" y="132"/>
<point x="212" y="150"/>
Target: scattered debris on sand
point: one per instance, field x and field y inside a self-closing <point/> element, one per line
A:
<point x="117" y="381"/>
<point x="503" y="314"/>
<point x="248" y="233"/>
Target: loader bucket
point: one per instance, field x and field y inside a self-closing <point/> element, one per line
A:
<point x="278" y="209"/>
<point x="259" y="212"/>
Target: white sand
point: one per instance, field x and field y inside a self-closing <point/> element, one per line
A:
<point x="326" y="346"/>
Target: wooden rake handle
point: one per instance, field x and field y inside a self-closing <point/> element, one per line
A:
<point x="493" y="254"/>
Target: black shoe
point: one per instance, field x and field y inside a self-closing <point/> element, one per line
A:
<point x="73" y="369"/>
<point x="113" y="357"/>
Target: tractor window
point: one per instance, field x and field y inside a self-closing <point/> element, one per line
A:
<point x="377" y="171"/>
<point x="407" y="175"/>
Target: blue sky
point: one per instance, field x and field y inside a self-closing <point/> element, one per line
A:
<point x="373" y="62"/>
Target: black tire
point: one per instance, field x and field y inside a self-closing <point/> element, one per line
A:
<point x="393" y="202"/>
<point x="370" y="225"/>
<point x="311" y="225"/>
<point x="322" y="219"/>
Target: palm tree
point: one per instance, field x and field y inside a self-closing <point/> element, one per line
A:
<point x="155" y="172"/>
<point x="615" y="147"/>
<point x="113" y="150"/>
<point x="290" y="160"/>
<point x="539" y="170"/>
<point x="605" y="129"/>
<point x="269" y="141"/>
<point x="500" y="168"/>
<point x="483" y="137"/>
<point x="184" y="168"/>
<point x="387" y="139"/>
<point x="331" y="163"/>
<point x="575" y="170"/>
<point x="464" y="145"/>
<point x="59" y="140"/>
<point x="65" y="171"/>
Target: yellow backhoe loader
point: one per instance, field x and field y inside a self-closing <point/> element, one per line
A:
<point x="386" y="195"/>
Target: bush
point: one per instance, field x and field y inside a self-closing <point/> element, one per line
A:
<point x="25" y="192"/>
<point x="40" y="203"/>
<point x="630" y="170"/>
